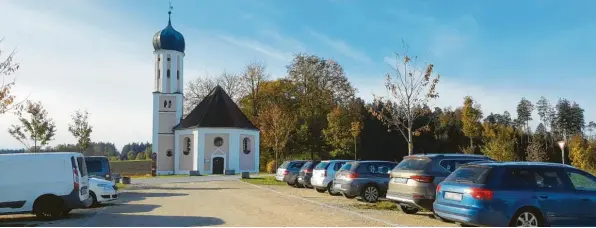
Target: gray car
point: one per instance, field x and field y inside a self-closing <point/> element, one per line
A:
<point x="414" y="180"/>
<point x="367" y="179"/>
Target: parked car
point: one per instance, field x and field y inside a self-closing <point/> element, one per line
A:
<point x="414" y="180"/>
<point x="48" y="185"/>
<point x="102" y="190"/>
<point x="518" y="194"/>
<point x="305" y="173"/>
<point x="291" y="172"/>
<point x="282" y="170"/>
<point x="367" y="179"/>
<point x="323" y="175"/>
<point x="99" y="166"/>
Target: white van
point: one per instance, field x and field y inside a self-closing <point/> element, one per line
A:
<point x="48" y="185"/>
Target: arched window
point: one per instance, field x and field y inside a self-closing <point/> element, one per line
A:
<point x="165" y="104"/>
<point x="178" y="74"/>
<point x="168" y="73"/>
<point x="246" y="145"/>
<point x="169" y="103"/>
<point x="187" y="146"/>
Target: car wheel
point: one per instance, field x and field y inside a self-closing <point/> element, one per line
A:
<point x="94" y="197"/>
<point x="349" y="196"/>
<point x="289" y="184"/>
<point x="48" y="208"/>
<point x="66" y="212"/>
<point x="527" y="217"/>
<point x="409" y="210"/>
<point x="330" y="190"/>
<point x="321" y="190"/>
<point x="370" y="194"/>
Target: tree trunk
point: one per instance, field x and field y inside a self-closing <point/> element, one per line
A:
<point x="410" y="143"/>
<point x="472" y="145"/>
<point x="355" y="148"/>
<point x="35" y="145"/>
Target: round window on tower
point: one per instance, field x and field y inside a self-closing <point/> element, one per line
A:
<point x="218" y="141"/>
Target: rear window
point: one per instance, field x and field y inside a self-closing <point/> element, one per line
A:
<point x="306" y="165"/>
<point x="338" y="165"/>
<point x="297" y="165"/>
<point x="284" y="165"/>
<point x="470" y="174"/>
<point x="94" y="166"/>
<point x="412" y="164"/>
<point x="347" y="166"/>
<point x="452" y="165"/>
<point x="82" y="166"/>
<point x="322" y="165"/>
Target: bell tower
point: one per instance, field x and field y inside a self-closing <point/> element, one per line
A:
<point x="169" y="48"/>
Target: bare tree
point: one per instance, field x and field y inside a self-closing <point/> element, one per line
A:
<point x="409" y="92"/>
<point x="231" y="83"/>
<point x="253" y="76"/>
<point x="196" y="90"/>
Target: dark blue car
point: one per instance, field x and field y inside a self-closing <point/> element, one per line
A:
<point x="518" y="194"/>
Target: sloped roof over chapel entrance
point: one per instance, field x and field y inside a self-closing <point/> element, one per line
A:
<point x="216" y="110"/>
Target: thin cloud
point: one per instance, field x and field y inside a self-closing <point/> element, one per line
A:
<point x="258" y="46"/>
<point x="341" y="46"/>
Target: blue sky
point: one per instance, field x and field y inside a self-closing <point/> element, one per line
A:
<point x="97" y="55"/>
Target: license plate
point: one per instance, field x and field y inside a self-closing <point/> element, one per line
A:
<point x="398" y="180"/>
<point x="453" y="196"/>
<point x="338" y="186"/>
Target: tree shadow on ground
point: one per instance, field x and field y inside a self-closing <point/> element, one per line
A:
<point x="122" y="220"/>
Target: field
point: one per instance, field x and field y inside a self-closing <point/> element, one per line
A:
<point x="131" y="168"/>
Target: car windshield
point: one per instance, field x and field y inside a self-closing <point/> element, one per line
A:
<point x="469" y="174"/>
<point x="322" y="165"/>
<point x="94" y="166"/>
<point x="412" y="164"/>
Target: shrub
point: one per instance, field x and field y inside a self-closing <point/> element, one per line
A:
<point x="271" y="166"/>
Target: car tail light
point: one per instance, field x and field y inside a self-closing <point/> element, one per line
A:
<point x="286" y="172"/>
<point x="481" y="194"/>
<point x="352" y="175"/>
<point x="325" y="173"/>
<point x="438" y="188"/>
<point x="308" y="171"/>
<point x="75" y="178"/>
<point x="423" y="179"/>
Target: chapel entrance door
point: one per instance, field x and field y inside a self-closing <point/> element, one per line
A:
<point x="218" y="165"/>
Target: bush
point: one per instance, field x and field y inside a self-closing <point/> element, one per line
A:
<point x="271" y="166"/>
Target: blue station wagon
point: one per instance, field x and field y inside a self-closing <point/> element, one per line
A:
<point x="517" y="194"/>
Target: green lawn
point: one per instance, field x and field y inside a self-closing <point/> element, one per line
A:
<point x="269" y="180"/>
<point x="121" y="186"/>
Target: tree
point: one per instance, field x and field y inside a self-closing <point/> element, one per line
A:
<point x="131" y="155"/>
<point x="581" y="153"/>
<point x="409" y="92"/>
<point x="499" y="142"/>
<point x="591" y="127"/>
<point x="7" y="98"/>
<point x="524" y="113"/>
<point x="355" y="130"/>
<point x="535" y="151"/>
<point x="81" y="129"/>
<point x="471" y="116"/>
<point x="569" y="118"/>
<point x="141" y="156"/>
<point x="196" y="90"/>
<point x="251" y="80"/>
<point x="34" y="125"/>
<point x="276" y="127"/>
<point x="338" y="132"/>
<point x="231" y="84"/>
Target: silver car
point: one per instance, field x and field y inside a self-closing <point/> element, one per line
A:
<point x="414" y="180"/>
<point x="367" y="179"/>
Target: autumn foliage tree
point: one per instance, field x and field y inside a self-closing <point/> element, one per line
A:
<point x="7" y="68"/>
<point x="471" y="116"/>
<point x="410" y="89"/>
<point x="276" y="126"/>
<point x="499" y="142"/>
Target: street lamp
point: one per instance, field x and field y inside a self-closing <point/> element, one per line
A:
<point x="562" y="146"/>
